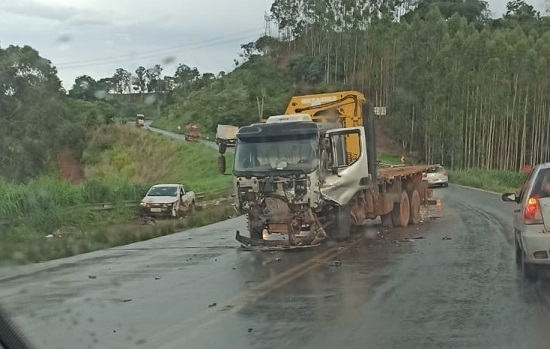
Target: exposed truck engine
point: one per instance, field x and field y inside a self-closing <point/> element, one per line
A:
<point x="311" y="174"/>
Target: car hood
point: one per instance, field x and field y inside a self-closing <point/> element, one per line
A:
<point x="159" y="199"/>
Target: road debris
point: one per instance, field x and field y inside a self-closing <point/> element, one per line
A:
<point x="92" y="276"/>
<point x="227" y="308"/>
<point x="447" y="237"/>
<point x="412" y="239"/>
<point x="336" y="263"/>
<point x="212" y="305"/>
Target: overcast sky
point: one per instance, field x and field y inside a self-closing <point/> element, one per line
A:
<point x="95" y="37"/>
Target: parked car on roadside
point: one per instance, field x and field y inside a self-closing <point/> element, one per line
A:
<point x="168" y="200"/>
<point x="532" y="221"/>
<point x="436" y="176"/>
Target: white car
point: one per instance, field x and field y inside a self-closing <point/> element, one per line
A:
<point x="532" y="221"/>
<point x="435" y="176"/>
<point x="167" y="200"/>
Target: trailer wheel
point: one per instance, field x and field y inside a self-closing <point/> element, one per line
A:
<point x="342" y="229"/>
<point x="401" y="211"/>
<point x="415" y="207"/>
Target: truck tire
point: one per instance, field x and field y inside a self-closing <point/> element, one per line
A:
<point x="529" y="271"/>
<point x="342" y="228"/>
<point x="414" y="199"/>
<point x="401" y="211"/>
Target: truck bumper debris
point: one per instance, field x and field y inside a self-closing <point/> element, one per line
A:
<point x="250" y="244"/>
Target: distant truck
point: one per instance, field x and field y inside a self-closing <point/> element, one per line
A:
<point x="227" y="134"/>
<point x="140" y="120"/>
<point x="193" y="132"/>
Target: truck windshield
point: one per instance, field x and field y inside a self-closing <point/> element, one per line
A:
<point x="276" y="154"/>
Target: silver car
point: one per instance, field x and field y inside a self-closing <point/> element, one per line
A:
<point x="532" y="221"/>
<point x="436" y="176"/>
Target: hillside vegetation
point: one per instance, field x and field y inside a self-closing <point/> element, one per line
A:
<point x="144" y="157"/>
<point x="120" y="162"/>
<point x="461" y="88"/>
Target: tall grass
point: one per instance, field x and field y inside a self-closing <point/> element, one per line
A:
<point x="121" y="163"/>
<point x="493" y="180"/>
<point x="389" y="159"/>
<point x="46" y="204"/>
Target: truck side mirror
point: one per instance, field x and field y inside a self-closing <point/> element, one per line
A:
<point x="222" y="147"/>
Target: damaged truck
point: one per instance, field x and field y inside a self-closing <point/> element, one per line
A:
<point x="312" y="174"/>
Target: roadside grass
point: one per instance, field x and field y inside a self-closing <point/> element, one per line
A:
<point x="47" y="203"/>
<point x="389" y="159"/>
<point x="145" y="157"/>
<point x="492" y="180"/>
<point x="36" y="247"/>
<point x="121" y="163"/>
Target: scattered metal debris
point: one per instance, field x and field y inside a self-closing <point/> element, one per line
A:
<point x="227" y="308"/>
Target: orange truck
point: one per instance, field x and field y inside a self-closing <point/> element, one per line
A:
<point x="193" y="132"/>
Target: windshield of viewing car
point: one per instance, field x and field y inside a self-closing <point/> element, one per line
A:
<point x="268" y="154"/>
<point x="163" y="191"/>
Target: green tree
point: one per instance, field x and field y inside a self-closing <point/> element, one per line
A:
<point x="34" y="120"/>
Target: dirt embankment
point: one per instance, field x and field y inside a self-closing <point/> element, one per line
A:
<point x="69" y="167"/>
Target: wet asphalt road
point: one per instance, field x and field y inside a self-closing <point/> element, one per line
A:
<point x="386" y="292"/>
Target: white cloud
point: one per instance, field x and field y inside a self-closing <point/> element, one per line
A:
<point x="95" y="37"/>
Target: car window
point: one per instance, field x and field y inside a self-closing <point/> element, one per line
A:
<point x="526" y="184"/>
<point x="436" y="170"/>
<point x="541" y="186"/>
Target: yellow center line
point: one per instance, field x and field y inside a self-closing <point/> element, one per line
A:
<point x="248" y="296"/>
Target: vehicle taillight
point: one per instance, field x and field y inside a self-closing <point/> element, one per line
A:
<point x="445" y="174"/>
<point x="532" y="213"/>
<point x="424" y="175"/>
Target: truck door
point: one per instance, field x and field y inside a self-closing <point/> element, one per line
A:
<point x="349" y="170"/>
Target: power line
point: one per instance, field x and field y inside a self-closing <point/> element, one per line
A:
<point x="161" y="52"/>
<point x="162" y="49"/>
